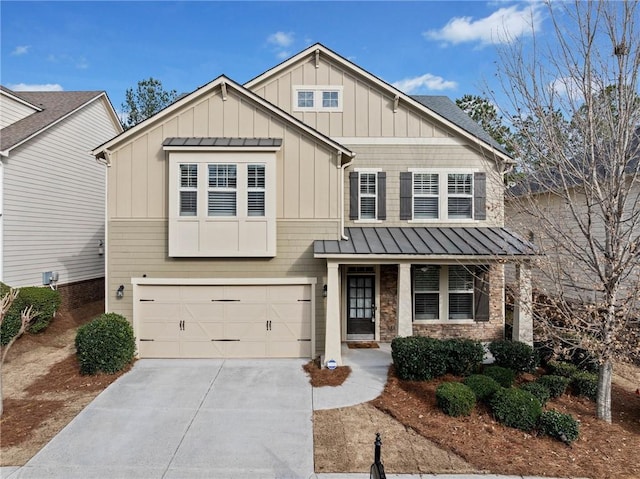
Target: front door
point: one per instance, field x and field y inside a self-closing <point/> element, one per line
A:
<point x="361" y="309"/>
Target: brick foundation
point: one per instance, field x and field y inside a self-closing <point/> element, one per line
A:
<point x="76" y="295"/>
<point x="388" y="302"/>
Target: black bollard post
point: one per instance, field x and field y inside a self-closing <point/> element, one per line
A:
<point x="377" y="469"/>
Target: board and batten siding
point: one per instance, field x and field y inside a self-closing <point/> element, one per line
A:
<point x="367" y="110"/>
<point x="394" y="159"/>
<point x="54" y="201"/>
<point x="307" y="172"/>
<point x="138" y="247"/>
<point x="12" y="111"/>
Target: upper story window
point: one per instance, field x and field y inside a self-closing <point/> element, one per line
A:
<point x="255" y="190"/>
<point x="317" y="98"/>
<point x="442" y="195"/>
<point x="222" y="193"/>
<point x="188" y="190"/>
<point x="367" y="190"/>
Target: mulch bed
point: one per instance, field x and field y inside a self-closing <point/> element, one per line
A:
<point x="602" y="451"/>
<point x="363" y="345"/>
<point x="319" y="377"/>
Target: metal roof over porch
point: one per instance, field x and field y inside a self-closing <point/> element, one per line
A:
<point x="432" y="241"/>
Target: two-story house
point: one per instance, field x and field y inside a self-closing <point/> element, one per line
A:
<point x="314" y="205"/>
<point x="52" y="191"/>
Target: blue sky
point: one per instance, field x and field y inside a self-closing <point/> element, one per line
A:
<point x="439" y="48"/>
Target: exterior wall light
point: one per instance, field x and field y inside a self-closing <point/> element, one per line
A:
<point x="324" y="291"/>
<point x="120" y="292"/>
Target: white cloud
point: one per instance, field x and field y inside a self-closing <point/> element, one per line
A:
<point x="502" y="26"/>
<point x="281" y="39"/>
<point x="283" y="54"/>
<point x="21" y="50"/>
<point x="35" y="87"/>
<point x="426" y="81"/>
<point x="567" y="87"/>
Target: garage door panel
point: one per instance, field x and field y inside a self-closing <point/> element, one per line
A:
<point x="159" y="330"/>
<point x="160" y="311"/>
<point x="291" y="312"/>
<point x="254" y="313"/>
<point x="202" y="348"/>
<point x="246" y="331"/>
<point x="204" y="312"/>
<point x="160" y="293"/>
<point x="201" y="293"/>
<point x="289" y="349"/>
<point x="246" y="349"/>
<point x="246" y="293"/>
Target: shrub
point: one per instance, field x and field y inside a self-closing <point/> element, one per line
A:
<point x="540" y="391"/>
<point x="482" y="386"/>
<point x="418" y="358"/>
<point x="503" y="376"/>
<point x="463" y="356"/>
<point x="514" y="355"/>
<point x="585" y="384"/>
<point x="516" y="408"/>
<point x="557" y="385"/>
<point x="560" y="368"/>
<point x="45" y="302"/>
<point x="105" y="344"/>
<point x="455" y="399"/>
<point x="560" y="426"/>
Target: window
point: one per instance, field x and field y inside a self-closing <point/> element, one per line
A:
<point x="222" y="196"/>
<point x="317" y="98"/>
<point x="459" y="196"/>
<point x="442" y="195"/>
<point x="427" y="292"/>
<point x="368" y="196"/>
<point x="460" y="292"/>
<point x="454" y="292"/>
<point x="255" y="190"/>
<point x="425" y="196"/>
<point x="305" y="99"/>
<point x="188" y="190"/>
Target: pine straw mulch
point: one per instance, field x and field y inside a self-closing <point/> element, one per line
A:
<point x="602" y="451"/>
<point x="320" y="377"/>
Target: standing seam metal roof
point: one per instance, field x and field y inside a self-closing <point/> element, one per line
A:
<point x="434" y="241"/>
<point x="222" y="142"/>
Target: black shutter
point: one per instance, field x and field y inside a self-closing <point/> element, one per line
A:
<point x="406" y="197"/>
<point x="480" y="196"/>
<point x="382" y="195"/>
<point x="481" y="293"/>
<point x="353" y="195"/>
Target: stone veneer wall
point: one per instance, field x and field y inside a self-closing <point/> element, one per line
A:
<point x="388" y="301"/>
<point x="478" y="330"/>
<point x="81" y="293"/>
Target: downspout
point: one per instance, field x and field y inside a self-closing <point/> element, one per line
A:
<point x="342" y="168"/>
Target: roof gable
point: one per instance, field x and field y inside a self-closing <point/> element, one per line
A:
<point x="442" y="112"/>
<point x="53" y="107"/>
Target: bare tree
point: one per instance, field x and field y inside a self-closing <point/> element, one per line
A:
<point x="26" y="316"/>
<point x="582" y="204"/>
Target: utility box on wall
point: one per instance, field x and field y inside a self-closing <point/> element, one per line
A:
<point x="49" y="277"/>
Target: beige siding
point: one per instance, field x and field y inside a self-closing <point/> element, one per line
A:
<point x="139" y="247"/>
<point x="367" y="109"/>
<point x="398" y="158"/>
<point x="307" y="172"/>
<point x="12" y="111"/>
<point x="54" y="201"/>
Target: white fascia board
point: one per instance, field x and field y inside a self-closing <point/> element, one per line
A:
<point x="20" y="100"/>
<point x="422" y="259"/>
<point x="222" y="148"/>
<point x="221" y="281"/>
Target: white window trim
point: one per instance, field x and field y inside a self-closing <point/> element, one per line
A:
<point x="375" y="172"/>
<point x="317" y="97"/>
<point x="443" y="175"/>
<point x="443" y="302"/>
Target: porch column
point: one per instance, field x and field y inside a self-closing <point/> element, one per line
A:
<point x="405" y="325"/>
<point x="332" y="338"/>
<point x="522" y="311"/>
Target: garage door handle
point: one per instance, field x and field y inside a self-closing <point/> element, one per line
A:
<point x="226" y="300"/>
<point x="304" y="300"/>
<point x="225" y="340"/>
<point x="304" y="339"/>
<point x="146" y="300"/>
<point x="147" y="339"/>
<point x="268" y="325"/>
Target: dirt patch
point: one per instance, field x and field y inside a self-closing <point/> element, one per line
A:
<point x="320" y="377"/>
<point x="602" y="451"/>
<point x="43" y="389"/>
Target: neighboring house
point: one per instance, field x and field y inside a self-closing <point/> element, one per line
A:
<point x="313" y="205"/>
<point x="53" y="191"/>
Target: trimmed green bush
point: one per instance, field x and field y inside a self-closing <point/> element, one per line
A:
<point x="514" y="355"/>
<point x="45" y="302"/>
<point x="585" y="384"/>
<point x="540" y="391"/>
<point x="464" y="356"/>
<point x="516" y="408"/>
<point x="560" y="426"/>
<point x="482" y="386"/>
<point x="418" y="358"/>
<point x="503" y="376"/>
<point x="557" y="385"/>
<point x="561" y="368"/>
<point x="105" y="344"/>
<point x="455" y="399"/>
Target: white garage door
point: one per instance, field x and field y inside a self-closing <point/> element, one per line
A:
<point x="235" y="321"/>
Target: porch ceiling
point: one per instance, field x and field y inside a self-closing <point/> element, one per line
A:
<point x="432" y="241"/>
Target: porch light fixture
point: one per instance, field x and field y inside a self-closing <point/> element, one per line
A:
<point x="120" y="292"/>
<point x="324" y="291"/>
<point x="100" y="248"/>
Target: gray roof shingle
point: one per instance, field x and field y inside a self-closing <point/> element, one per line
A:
<point x="431" y="241"/>
<point x="54" y="104"/>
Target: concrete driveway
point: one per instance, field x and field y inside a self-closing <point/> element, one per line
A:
<point x="189" y="418"/>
